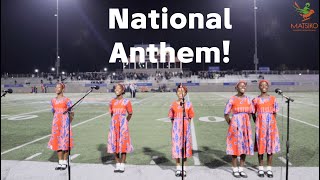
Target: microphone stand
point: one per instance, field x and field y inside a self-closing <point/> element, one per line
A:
<point x="68" y="111"/>
<point x="288" y="100"/>
<point x="183" y="150"/>
<point x="4" y="94"/>
<point x="120" y="152"/>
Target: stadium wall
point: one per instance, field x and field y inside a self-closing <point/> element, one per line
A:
<point x="289" y="86"/>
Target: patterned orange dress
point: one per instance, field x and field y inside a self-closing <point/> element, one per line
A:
<point x="239" y="137"/>
<point x="267" y="135"/>
<point x="176" y="113"/>
<point x="60" y="125"/>
<point x="119" y="140"/>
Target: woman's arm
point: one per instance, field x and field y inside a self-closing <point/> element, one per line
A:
<point x="129" y="111"/>
<point x="129" y="117"/>
<point x="71" y="115"/>
<point x="227" y="118"/>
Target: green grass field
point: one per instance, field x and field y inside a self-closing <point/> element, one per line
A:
<point x="149" y="132"/>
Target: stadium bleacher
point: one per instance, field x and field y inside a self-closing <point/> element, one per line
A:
<point x="202" y="81"/>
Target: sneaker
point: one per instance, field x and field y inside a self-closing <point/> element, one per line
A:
<point x="178" y="173"/>
<point x="117" y="168"/>
<point x="261" y="173"/>
<point x="236" y="174"/>
<point x="58" y="167"/>
<point x="184" y="173"/>
<point x="243" y="174"/>
<point x="121" y="168"/>
<point x="64" y="167"/>
<point x="269" y="174"/>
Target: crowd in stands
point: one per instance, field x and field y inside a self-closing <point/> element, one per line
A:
<point x="221" y="74"/>
<point x="210" y="75"/>
<point x="168" y="75"/>
<point x="97" y="77"/>
<point x="88" y="76"/>
<point x="137" y="76"/>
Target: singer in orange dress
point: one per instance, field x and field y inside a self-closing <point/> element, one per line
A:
<point x="119" y="141"/>
<point x="267" y="136"/>
<point x="176" y="115"/>
<point x="59" y="140"/>
<point x="239" y="136"/>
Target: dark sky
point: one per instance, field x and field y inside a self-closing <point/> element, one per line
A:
<point x="28" y="33"/>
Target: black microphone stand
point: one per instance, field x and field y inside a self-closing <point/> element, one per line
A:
<point x="4" y="94"/>
<point x="68" y="111"/>
<point x="288" y="100"/>
<point x="183" y="150"/>
<point x="120" y="152"/>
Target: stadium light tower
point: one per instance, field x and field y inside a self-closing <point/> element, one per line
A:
<point x="37" y="72"/>
<point x="255" y="56"/>
<point x="57" y="36"/>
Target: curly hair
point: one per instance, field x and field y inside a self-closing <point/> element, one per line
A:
<point x="62" y="85"/>
<point x="266" y="81"/>
<point x="241" y="81"/>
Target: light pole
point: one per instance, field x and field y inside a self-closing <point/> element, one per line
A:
<point x="37" y="71"/>
<point x="255" y="56"/>
<point x="57" y="50"/>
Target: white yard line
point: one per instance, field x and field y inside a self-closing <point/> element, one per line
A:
<point x="83" y="122"/>
<point x="138" y="102"/>
<point x="21" y="104"/>
<point x="74" y="156"/>
<point x="298" y="120"/>
<point x="32" y="112"/>
<point x="36" y="140"/>
<point x="309" y="104"/>
<point x="18" y="147"/>
<point x="33" y="156"/>
<point x="194" y="142"/>
<point x="284" y="161"/>
<point x="194" y="145"/>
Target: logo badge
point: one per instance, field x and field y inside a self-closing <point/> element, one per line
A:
<point x="305" y="13"/>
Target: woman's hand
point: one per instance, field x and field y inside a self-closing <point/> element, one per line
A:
<point x="71" y="115"/>
<point x="227" y="118"/>
<point x="129" y="117"/>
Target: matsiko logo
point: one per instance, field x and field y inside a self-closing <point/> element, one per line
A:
<point x="305" y="13"/>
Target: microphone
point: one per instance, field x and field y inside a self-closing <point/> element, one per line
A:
<point x="8" y="91"/>
<point x="95" y="87"/>
<point x="278" y="91"/>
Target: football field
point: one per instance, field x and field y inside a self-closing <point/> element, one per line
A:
<point x="26" y="126"/>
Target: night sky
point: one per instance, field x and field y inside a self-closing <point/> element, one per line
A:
<point x="28" y="33"/>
